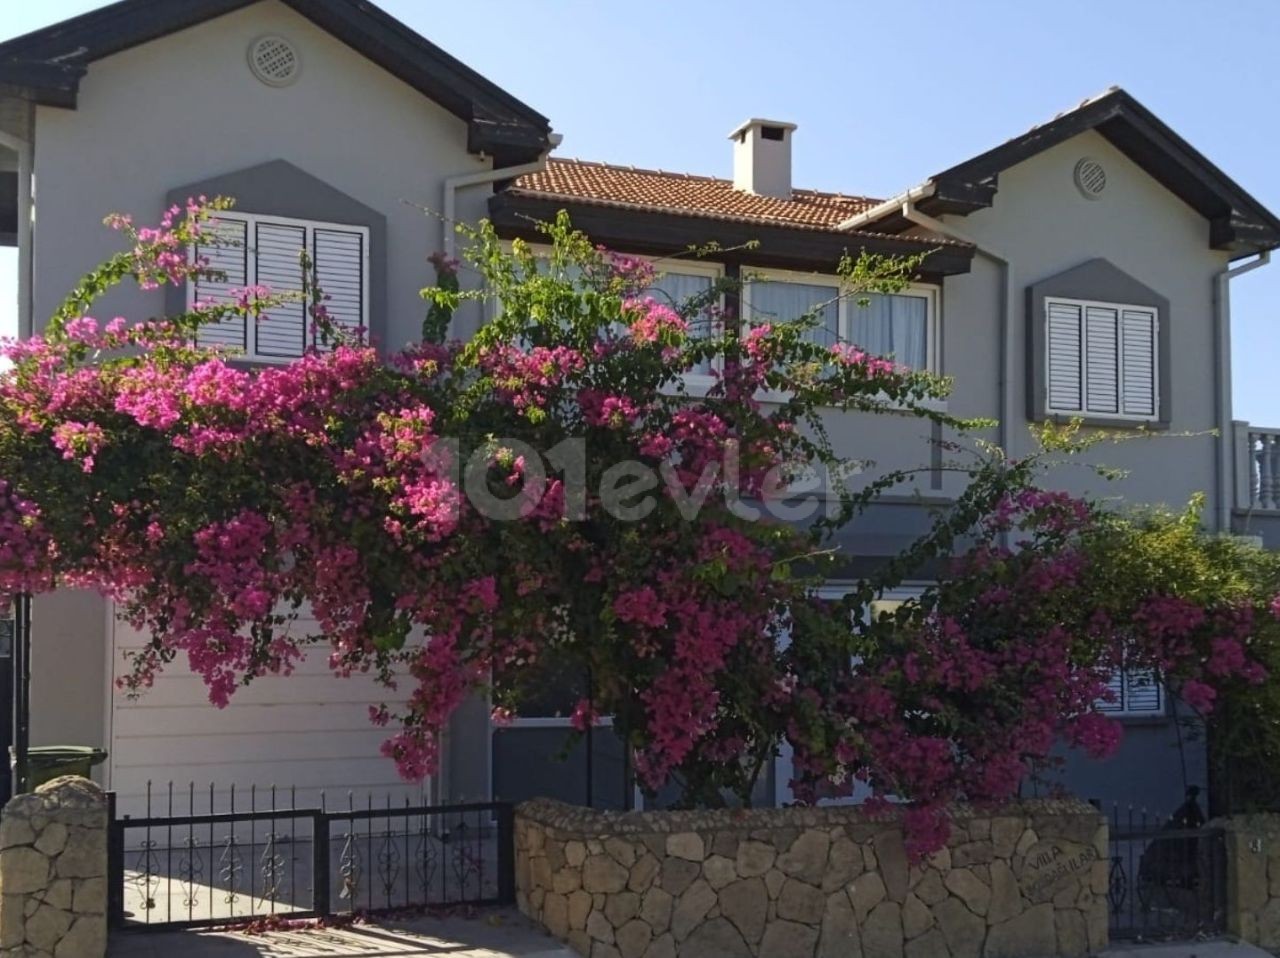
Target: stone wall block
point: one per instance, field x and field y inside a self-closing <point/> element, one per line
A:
<point x="832" y="882"/>
<point x="53" y="872"/>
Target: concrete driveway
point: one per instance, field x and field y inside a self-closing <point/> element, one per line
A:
<point x="491" y="934"/>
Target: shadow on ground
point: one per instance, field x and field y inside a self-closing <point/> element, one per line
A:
<point x="490" y="934"/>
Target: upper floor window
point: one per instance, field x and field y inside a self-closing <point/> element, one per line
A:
<point x="257" y="250"/>
<point x="679" y="285"/>
<point x="1135" y="692"/>
<point x="901" y="325"/>
<point x="1101" y="359"/>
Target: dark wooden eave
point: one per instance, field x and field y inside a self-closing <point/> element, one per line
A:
<point x="1237" y="221"/>
<point x="660" y="233"/>
<point x="46" y="66"/>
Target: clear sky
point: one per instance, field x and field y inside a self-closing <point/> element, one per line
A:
<point x="885" y="93"/>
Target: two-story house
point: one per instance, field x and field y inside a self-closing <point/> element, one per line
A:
<point x="1079" y="270"/>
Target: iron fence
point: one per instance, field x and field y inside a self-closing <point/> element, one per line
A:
<point x="185" y="863"/>
<point x="1167" y="876"/>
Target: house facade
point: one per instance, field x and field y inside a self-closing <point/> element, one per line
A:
<point x="1081" y="270"/>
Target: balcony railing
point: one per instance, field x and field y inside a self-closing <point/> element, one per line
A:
<point x="1257" y="468"/>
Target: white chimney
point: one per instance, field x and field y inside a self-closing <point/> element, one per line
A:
<point x="762" y="158"/>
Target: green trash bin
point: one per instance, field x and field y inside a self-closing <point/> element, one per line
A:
<point x="47" y="762"/>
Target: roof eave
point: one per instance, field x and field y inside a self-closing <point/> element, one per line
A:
<point x="1238" y="223"/>
<point x="46" y="66"/>
<point x="517" y="213"/>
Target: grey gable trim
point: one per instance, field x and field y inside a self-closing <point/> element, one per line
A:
<point x="47" y="65"/>
<point x="1095" y="279"/>
<point x="278" y="188"/>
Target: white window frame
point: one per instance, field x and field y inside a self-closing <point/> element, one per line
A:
<point x="782" y="763"/>
<point x="696" y="384"/>
<point x="1119" y="308"/>
<point x="1122" y="709"/>
<point x="845" y="303"/>
<point x="251" y="270"/>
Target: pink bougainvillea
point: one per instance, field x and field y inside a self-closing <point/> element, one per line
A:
<point x="431" y="510"/>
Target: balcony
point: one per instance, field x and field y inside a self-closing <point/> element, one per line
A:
<point x="1257" y="505"/>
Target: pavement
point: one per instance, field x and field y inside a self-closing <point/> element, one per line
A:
<point x="496" y="933"/>
<point x="1193" y="949"/>
<point x="499" y="933"/>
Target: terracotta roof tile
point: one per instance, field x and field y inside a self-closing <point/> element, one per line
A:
<point x="627" y="187"/>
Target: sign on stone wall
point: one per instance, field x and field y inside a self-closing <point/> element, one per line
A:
<point x="1051" y="865"/>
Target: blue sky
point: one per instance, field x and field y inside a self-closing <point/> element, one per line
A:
<point x="884" y="94"/>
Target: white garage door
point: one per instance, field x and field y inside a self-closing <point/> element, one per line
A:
<point x="305" y="734"/>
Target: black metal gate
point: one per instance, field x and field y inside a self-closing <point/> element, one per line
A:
<point x="183" y="866"/>
<point x="1167" y="878"/>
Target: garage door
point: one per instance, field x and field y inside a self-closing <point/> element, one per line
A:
<point x="305" y="734"/>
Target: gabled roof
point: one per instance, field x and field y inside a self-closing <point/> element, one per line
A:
<point x="47" y="65"/>
<point x="1237" y="221"/>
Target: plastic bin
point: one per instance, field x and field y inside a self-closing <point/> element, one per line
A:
<point x="47" y="762"/>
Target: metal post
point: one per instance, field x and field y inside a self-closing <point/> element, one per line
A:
<point x="320" y="864"/>
<point x="505" y="815"/>
<point x="18" y="751"/>
<point x="115" y="865"/>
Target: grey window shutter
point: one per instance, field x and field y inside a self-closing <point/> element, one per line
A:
<point x="1102" y="360"/>
<point x="339" y="257"/>
<point x="1139" y="332"/>
<point x="1065" y="383"/>
<point x="227" y="252"/>
<point x="281" y="330"/>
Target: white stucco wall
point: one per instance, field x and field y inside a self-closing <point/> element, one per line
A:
<point x="1045" y="226"/>
<point x="186" y="107"/>
<point x="182" y="109"/>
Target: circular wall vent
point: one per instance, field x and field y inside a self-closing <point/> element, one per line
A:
<point x="274" y="60"/>
<point x="1091" y="178"/>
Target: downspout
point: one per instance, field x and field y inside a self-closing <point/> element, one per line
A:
<point x="452" y="184"/>
<point x="905" y="205"/>
<point x="1222" y="372"/>
<point x="449" y="246"/>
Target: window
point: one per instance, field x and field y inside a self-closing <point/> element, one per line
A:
<point x="676" y="287"/>
<point x="851" y="791"/>
<point x="1101" y="359"/>
<point x="261" y="250"/>
<point x="1137" y="693"/>
<point x="902" y="325"/>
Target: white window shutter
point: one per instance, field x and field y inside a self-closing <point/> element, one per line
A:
<point x="1142" y="692"/>
<point x="1115" y="685"/>
<point x="1102" y="360"/>
<point x="1065" y="383"/>
<point x="228" y="254"/>
<point x="339" y="257"/>
<point x="281" y="330"/>
<point x="1139" y="332"/>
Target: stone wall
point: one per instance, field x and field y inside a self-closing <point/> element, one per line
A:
<point x="1253" y="878"/>
<point x="53" y="872"/>
<point x="1028" y="881"/>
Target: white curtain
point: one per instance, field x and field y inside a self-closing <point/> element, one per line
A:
<point x="785" y="302"/>
<point x="892" y="325"/>
<point x="676" y="289"/>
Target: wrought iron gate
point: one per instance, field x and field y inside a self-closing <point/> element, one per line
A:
<point x="1167" y="878"/>
<point x="184" y="866"/>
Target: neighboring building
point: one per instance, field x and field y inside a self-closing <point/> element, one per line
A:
<point x="1081" y="269"/>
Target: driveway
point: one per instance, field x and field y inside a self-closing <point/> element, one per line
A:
<point x="492" y="934"/>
